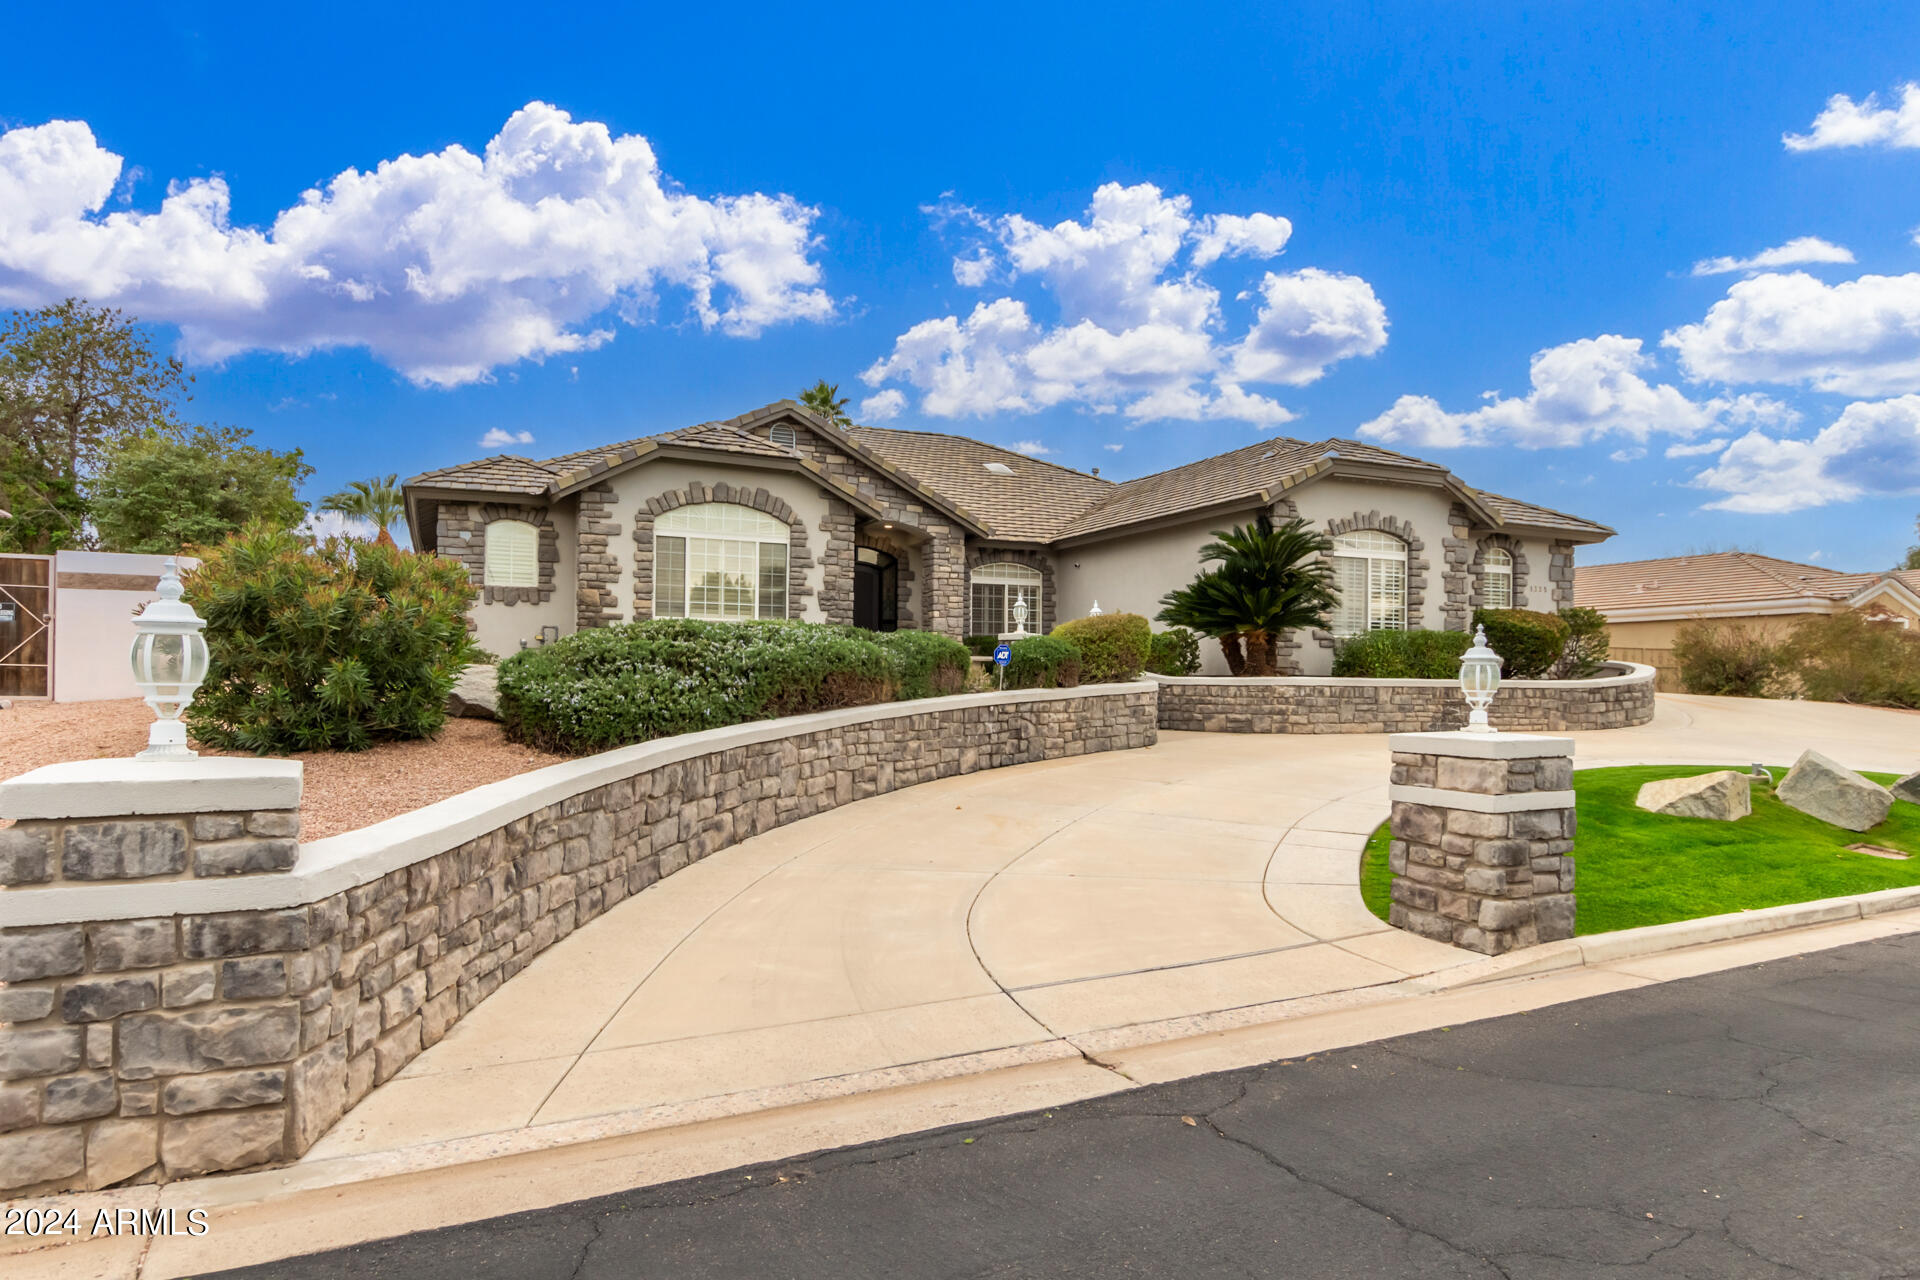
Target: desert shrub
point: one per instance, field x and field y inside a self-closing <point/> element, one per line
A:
<point x="1402" y="655"/>
<point x="981" y="646"/>
<point x="328" y="647"/>
<point x="1113" y="646"/>
<point x="1530" y="642"/>
<point x="1720" y="658"/>
<point x="610" y="686"/>
<point x="1848" y="658"/>
<point x="1586" y="648"/>
<point x="926" y="664"/>
<point x="1174" y="652"/>
<point x="1044" y="662"/>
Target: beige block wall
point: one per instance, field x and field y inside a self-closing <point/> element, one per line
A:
<point x="499" y="628"/>
<point x="632" y="489"/>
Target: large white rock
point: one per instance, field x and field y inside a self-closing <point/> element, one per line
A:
<point x="1907" y="788"/>
<point x="1726" y="796"/>
<point x="1824" y="789"/>
<point x="475" y="693"/>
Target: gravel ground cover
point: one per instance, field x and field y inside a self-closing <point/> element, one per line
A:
<point x="344" y="790"/>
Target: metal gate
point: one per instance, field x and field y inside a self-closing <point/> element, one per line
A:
<point x="26" y="626"/>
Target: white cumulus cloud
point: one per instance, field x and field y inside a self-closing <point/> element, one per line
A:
<point x="883" y="405"/>
<point x="1113" y="448"/>
<point x="499" y="438"/>
<point x="1860" y="337"/>
<point x="1866" y="123"/>
<point x="445" y="266"/>
<point x="1581" y="391"/>
<point x="1871" y="449"/>
<point x="1795" y="251"/>
<point x="1131" y="324"/>
<point x="1698" y="449"/>
<point x="1029" y="448"/>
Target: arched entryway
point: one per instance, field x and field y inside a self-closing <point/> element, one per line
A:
<point x="876" y="590"/>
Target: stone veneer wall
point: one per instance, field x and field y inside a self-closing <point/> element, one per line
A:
<point x="1328" y="704"/>
<point x="596" y="598"/>
<point x="460" y="530"/>
<point x="168" y="1041"/>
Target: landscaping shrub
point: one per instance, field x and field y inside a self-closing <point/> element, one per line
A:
<point x="1587" y="643"/>
<point x="1720" y="658"/>
<point x="981" y="646"/>
<point x="1174" y="652"/>
<point x="926" y="664"/>
<point x="1044" y="662"/>
<point x="611" y="686"/>
<point x="1848" y="658"/>
<point x="1402" y="655"/>
<point x="1529" y="641"/>
<point x="329" y="647"/>
<point x="1113" y="646"/>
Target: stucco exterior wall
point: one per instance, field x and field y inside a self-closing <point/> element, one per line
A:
<point x="500" y="626"/>
<point x="95" y="594"/>
<point x="633" y="488"/>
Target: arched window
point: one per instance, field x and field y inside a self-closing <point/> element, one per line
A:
<point x="997" y="588"/>
<point x="721" y="561"/>
<point x="1496" y="591"/>
<point x="513" y="554"/>
<point x="783" y="433"/>
<point x="1370" y="571"/>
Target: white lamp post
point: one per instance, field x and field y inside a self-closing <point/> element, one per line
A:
<point x="1019" y="615"/>
<point x="1479" y="680"/>
<point x="1095" y="611"/>
<point x="169" y="659"/>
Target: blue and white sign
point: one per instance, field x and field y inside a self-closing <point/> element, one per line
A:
<point x="1002" y="655"/>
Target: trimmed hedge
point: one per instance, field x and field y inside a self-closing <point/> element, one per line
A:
<point x="1043" y="662"/>
<point x="1402" y="655"/>
<point x="612" y="686"/>
<point x="927" y="664"/>
<point x="1174" y="652"/>
<point x="1529" y="641"/>
<point x="1113" y="646"/>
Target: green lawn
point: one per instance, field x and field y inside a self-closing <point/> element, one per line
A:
<point x="1638" y="868"/>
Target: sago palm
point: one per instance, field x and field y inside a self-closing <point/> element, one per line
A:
<point x="1271" y="580"/>
<point x="377" y="501"/>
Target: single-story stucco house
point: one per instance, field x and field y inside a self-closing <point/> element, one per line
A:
<point x="778" y="514"/>
<point x="1648" y="601"/>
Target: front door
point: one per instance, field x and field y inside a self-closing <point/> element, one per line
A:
<point x="876" y="590"/>
<point x="26" y="626"/>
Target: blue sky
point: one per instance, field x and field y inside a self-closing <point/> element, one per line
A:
<point x="1051" y="226"/>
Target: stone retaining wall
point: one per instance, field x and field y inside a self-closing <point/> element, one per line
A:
<point x="180" y="1025"/>
<point x="1327" y="704"/>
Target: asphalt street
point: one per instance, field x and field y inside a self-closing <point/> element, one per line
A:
<point x="1756" y="1123"/>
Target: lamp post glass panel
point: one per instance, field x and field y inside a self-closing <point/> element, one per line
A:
<point x="1479" y="680"/>
<point x="169" y="659"/>
<point x="1020" y="616"/>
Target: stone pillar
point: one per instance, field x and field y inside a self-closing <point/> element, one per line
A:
<point x="143" y="1032"/>
<point x="1482" y="831"/>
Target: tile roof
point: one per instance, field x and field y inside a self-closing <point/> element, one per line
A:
<point x="502" y="473"/>
<point x="1032" y="504"/>
<point x="1681" y="583"/>
<point x="1514" y="511"/>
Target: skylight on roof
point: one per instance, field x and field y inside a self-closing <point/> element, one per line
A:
<point x="998" y="468"/>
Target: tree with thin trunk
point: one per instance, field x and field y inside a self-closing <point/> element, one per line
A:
<point x="378" y="501"/>
<point x="827" y="401"/>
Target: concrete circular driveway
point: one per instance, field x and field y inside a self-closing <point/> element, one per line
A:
<point x="1013" y="916"/>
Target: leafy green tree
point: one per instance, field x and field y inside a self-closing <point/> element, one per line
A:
<point x="1271" y="580"/>
<point x="76" y="381"/>
<point x="378" y="501"/>
<point x="1913" y="552"/>
<point x="827" y="401"/>
<point x="159" y="494"/>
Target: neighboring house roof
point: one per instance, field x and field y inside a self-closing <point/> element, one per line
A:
<point x="1724" y="582"/>
<point x="998" y="493"/>
<point x="1026" y="500"/>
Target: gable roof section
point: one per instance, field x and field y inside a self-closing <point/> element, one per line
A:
<point x="1514" y="511"/>
<point x="1030" y="504"/>
<point x="502" y="473"/>
<point x="1683" y="585"/>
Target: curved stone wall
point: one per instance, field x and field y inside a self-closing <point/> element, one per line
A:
<point x="1622" y="696"/>
<point x="182" y="993"/>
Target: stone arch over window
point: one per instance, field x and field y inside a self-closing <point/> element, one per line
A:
<point x="1477" y="569"/>
<point x="1417" y="566"/>
<point x="799" y="561"/>
<point x="980" y="557"/>
<point x="465" y="534"/>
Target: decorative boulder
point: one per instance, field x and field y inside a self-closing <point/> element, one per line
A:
<point x="1824" y="789"/>
<point x="476" y="694"/>
<point x="1726" y="796"/>
<point x="1907" y="788"/>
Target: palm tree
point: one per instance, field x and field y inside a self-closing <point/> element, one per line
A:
<point x="377" y="501"/>
<point x="1270" y="581"/>
<point x="828" y="403"/>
